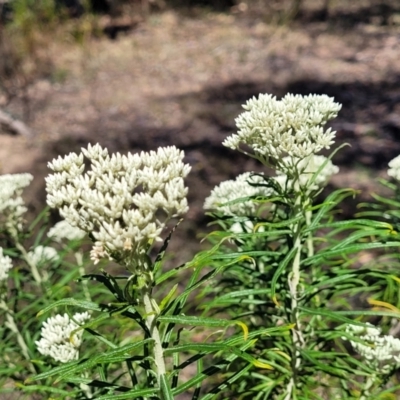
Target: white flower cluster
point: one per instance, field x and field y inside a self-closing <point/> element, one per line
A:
<point x="63" y="230"/>
<point x="57" y="340"/>
<point x="5" y="265"/>
<point x="12" y="206"/>
<point x="123" y="201"/>
<point x="304" y="170"/>
<point x="394" y="168"/>
<point x="290" y="126"/>
<point x="40" y="254"/>
<point x="381" y="352"/>
<point x="229" y="191"/>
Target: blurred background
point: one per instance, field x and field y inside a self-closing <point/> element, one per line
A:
<point x="137" y="74"/>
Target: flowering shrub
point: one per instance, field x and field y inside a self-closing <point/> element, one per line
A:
<point x="277" y="292"/>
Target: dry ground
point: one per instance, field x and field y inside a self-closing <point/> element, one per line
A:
<point x="181" y="80"/>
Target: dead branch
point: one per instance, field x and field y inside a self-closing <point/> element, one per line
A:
<point x="15" y="126"/>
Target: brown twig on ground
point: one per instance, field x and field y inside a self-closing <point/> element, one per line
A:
<point x="14" y="125"/>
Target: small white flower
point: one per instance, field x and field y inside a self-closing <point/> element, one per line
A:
<point x="394" y="168"/>
<point x="63" y="230"/>
<point x="292" y="126"/>
<point x="380" y="352"/>
<point x="57" y="340"/>
<point x="244" y="227"/>
<point x="12" y="206"/>
<point x="41" y="254"/>
<point x="5" y="265"/>
<point x="98" y="252"/>
<point x="229" y="191"/>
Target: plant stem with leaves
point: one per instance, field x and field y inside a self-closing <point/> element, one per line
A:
<point x="298" y="341"/>
<point x="152" y="311"/>
<point x="11" y="324"/>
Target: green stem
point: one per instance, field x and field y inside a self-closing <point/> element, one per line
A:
<point x="35" y="273"/>
<point x="365" y="394"/>
<point x="310" y="237"/>
<point x="152" y="311"/>
<point x="79" y="261"/>
<point x="293" y="282"/>
<point x="10" y="323"/>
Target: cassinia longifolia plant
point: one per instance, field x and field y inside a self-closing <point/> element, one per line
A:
<point x="300" y="264"/>
<point x="278" y="307"/>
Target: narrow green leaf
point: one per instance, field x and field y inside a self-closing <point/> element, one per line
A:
<point x="331" y="201"/>
<point x="356" y="236"/>
<point x="160" y="256"/>
<point x="250" y="359"/>
<point x="196" y="347"/>
<point x="172" y="272"/>
<point x="197" y="379"/>
<point x="87" y="305"/>
<point x="331" y="281"/>
<point x="325" y="366"/>
<point x="227" y="382"/>
<point x="75" y="367"/>
<point x="165" y="388"/>
<point x="194" y="321"/>
<point x="62" y="369"/>
<point x="354" y="224"/>
<point x="164" y="302"/>
<point x="340" y="316"/>
<point x="282" y="266"/>
<point x="132" y="394"/>
<point x="325" y="254"/>
<point x="42" y="389"/>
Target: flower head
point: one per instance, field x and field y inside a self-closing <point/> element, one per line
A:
<point x="12" y="206"/>
<point x="40" y="254"/>
<point x="63" y="230"/>
<point x="292" y="126"/>
<point x="5" y="265"/>
<point x="57" y="340"/>
<point x="245" y="185"/>
<point x="394" y="168"/>
<point x="380" y="352"/>
<point x="123" y="201"/>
